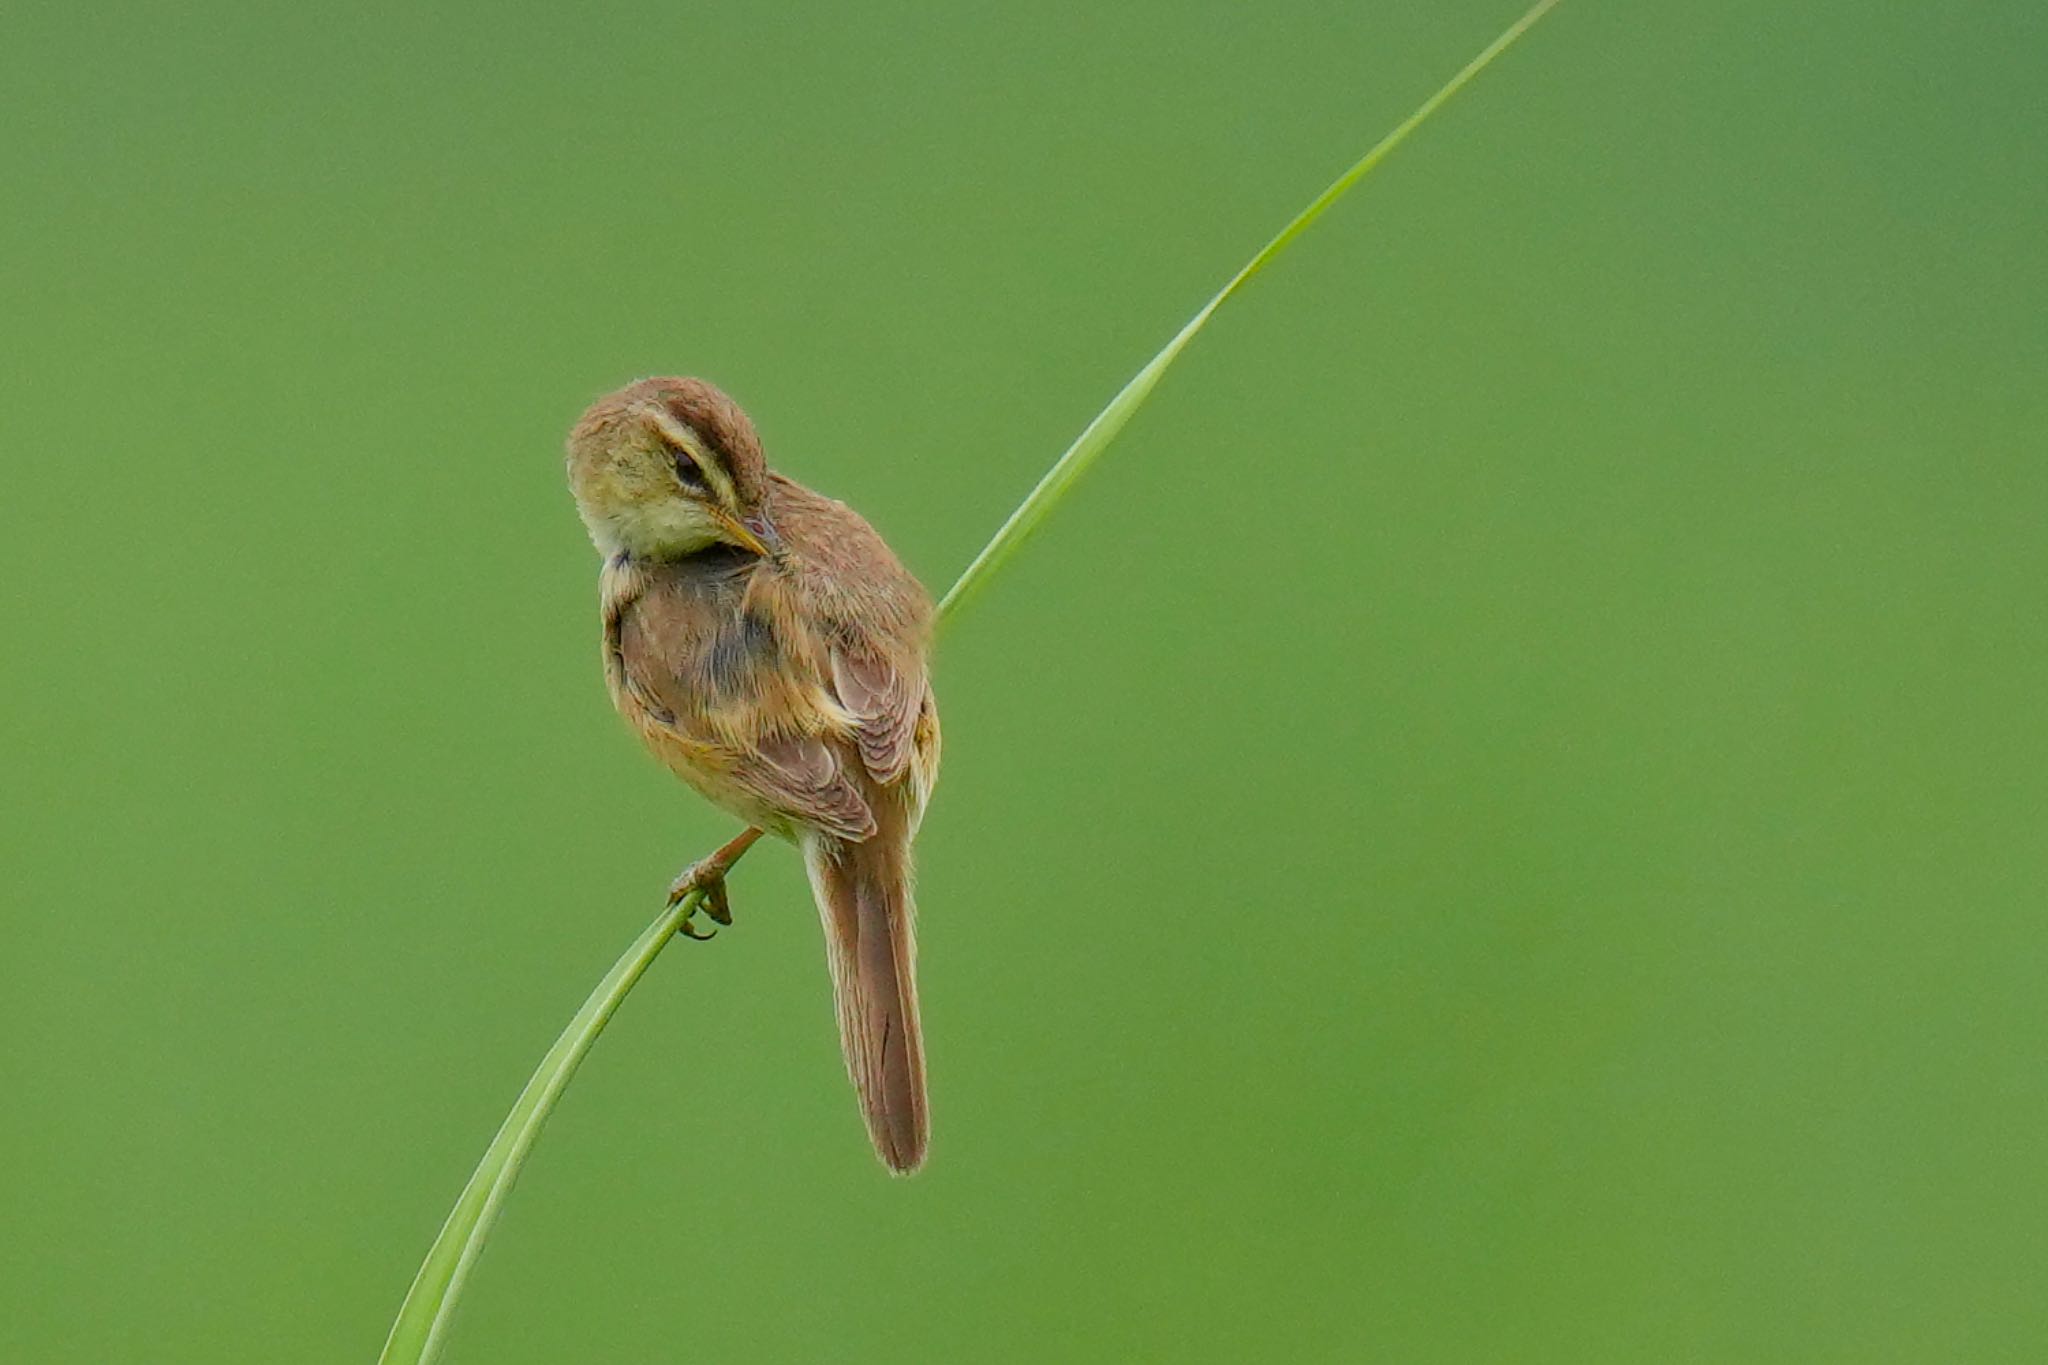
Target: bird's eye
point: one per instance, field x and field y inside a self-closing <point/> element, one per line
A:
<point x="687" y="471"/>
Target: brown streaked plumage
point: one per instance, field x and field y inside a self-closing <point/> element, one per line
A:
<point x="768" y="647"/>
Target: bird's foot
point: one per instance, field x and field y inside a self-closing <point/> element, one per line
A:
<point x="705" y="878"/>
<point x="710" y="882"/>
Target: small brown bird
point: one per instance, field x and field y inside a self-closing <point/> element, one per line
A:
<point x="769" y="648"/>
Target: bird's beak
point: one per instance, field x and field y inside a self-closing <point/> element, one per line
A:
<point x="752" y="534"/>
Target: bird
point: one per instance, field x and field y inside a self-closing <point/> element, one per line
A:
<point x="770" y="649"/>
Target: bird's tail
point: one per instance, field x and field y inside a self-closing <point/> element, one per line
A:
<point x="863" y="893"/>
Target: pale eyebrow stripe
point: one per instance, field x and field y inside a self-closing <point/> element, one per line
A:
<point x="683" y="437"/>
<point x="677" y="433"/>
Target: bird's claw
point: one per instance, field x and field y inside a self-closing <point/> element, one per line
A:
<point x="708" y="884"/>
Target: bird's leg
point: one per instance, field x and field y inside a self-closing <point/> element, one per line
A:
<point x="707" y="875"/>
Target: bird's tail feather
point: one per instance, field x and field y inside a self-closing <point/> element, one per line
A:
<point x="863" y="894"/>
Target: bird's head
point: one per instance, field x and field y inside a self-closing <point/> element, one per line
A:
<point x="667" y="467"/>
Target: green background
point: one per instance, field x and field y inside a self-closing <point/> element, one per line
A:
<point x="1508" y="821"/>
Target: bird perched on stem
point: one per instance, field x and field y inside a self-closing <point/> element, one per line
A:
<point x="770" y="649"/>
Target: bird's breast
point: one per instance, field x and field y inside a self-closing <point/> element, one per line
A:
<point x="709" y="641"/>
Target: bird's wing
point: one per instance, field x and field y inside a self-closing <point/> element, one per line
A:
<point x="801" y="777"/>
<point x="884" y="701"/>
<point x="870" y="623"/>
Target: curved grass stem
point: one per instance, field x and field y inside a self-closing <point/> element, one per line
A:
<point x="422" y="1325"/>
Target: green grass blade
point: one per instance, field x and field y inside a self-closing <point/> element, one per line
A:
<point x="1097" y="435"/>
<point x="422" y="1326"/>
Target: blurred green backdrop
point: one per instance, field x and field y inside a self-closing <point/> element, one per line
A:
<point x="1505" y="823"/>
